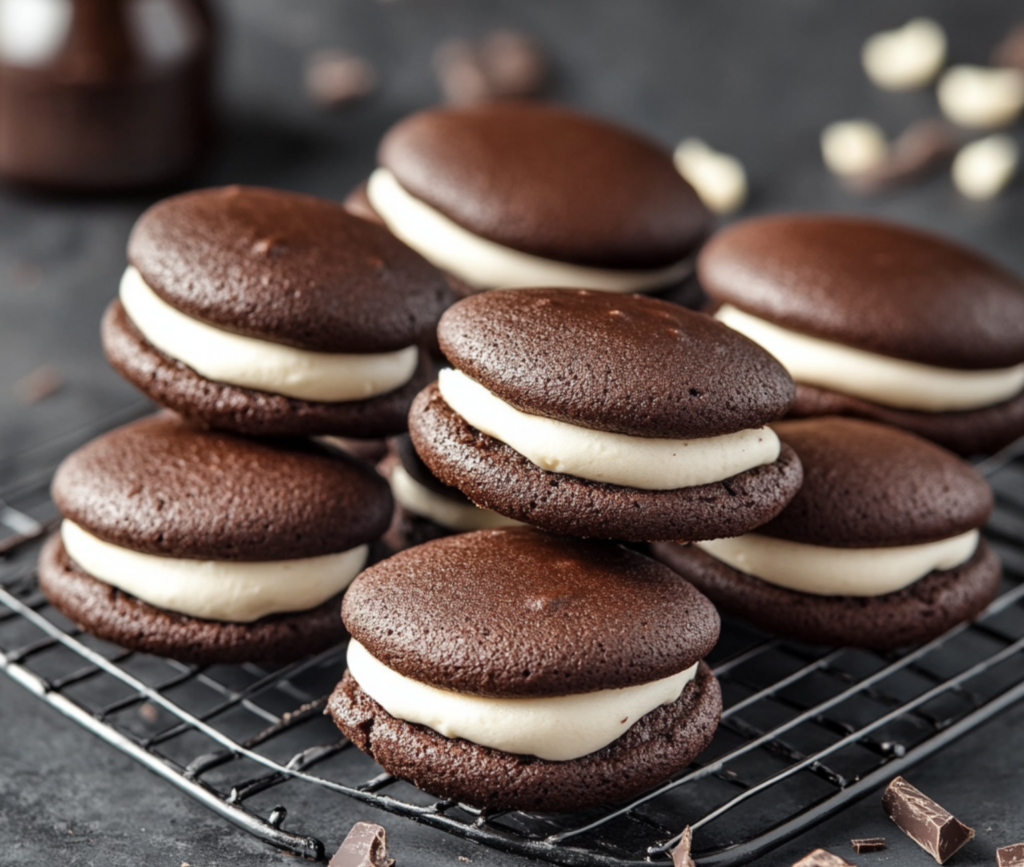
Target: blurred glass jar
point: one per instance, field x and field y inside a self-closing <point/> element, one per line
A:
<point x="103" y="95"/>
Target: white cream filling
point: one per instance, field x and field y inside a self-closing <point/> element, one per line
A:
<point x="558" y="729"/>
<point x="824" y="571"/>
<point x="215" y="589"/>
<point x="878" y="378"/>
<point x="636" y="462"/>
<point x="422" y="501"/>
<point x="488" y="265"/>
<point x="253" y="363"/>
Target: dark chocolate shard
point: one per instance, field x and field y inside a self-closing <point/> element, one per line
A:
<point x="822" y="858"/>
<point x="867" y="844"/>
<point x="681" y="853"/>
<point x="924" y="146"/>
<point x="934" y="829"/>
<point x="365" y="846"/>
<point x="1010" y="856"/>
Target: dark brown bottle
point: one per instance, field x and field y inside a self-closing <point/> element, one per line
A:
<point x="103" y="95"/>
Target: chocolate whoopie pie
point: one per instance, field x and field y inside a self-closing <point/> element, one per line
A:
<point x="267" y="312"/>
<point x="425" y="507"/>
<point x="513" y="669"/>
<point x="880" y="548"/>
<point x="519" y="194"/>
<point x="612" y="416"/>
<point x="209" y="547"/>
<point x="878" y="321"/>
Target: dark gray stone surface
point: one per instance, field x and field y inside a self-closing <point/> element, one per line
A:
<point x="757" y="79"/>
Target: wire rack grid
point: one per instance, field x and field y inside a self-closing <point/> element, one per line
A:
<point x="805" y="730"/>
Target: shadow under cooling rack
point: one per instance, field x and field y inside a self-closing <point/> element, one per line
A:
<point x="805" y="731"/>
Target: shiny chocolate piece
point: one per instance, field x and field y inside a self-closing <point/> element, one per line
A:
<point x="106" y="94"/>
<point x="681" y="853"/>
<point x="822" y="858"/>
<point x="867" y="844"/>
<point x="1010" y="856"/>
<point x="365" y="846"/>
<point x="934" y="829"/>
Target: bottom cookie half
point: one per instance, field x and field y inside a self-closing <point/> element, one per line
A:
<point x="661" y="744"/>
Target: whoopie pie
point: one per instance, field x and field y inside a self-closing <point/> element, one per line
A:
<point x="878" y="321"/>
<point x="513" y="669"/>
<point x="267" y="312"/>
<point x="610" y="416"/>
<point x="880" y="548"/>
<point x="517" y="194"/>
<point x="209" y="547"/>
<point x="425" y="507"/>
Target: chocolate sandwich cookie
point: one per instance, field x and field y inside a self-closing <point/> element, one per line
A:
<point x="879" y="549"/>
<point x="878" y="321"/>
<point x="523" y="194"/>
<point x="550" y="673"/>
<point x="209" y="547"/>
<point x="272" y="313"/>
<point x="425" y="507"/>
<point x="612" y="416"/>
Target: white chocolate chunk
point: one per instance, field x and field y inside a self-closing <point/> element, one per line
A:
<point x="982" y="169"/>
<point x="905" y="58"/>
<point x="719" y="179"/>
<point x="981" y="98"/>
<point x="852" y="147"/>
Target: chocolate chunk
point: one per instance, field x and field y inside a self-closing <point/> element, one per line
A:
<point x="822" y="858"/>
<point x="934" y="829"/>
<point x="923" y="146"/>
<point x="365" y="846"/>
<point x="1011" y="856"/>
<point x="867" y="844"/>
<point x="504" y="64"/>
<point x="681" y="853"/>
<point x="336" y="78"/>
<point x="1010" y="51"/>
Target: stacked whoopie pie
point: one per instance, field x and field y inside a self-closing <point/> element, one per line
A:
<point x="251" y="312"/>
<point x="880" y="322"/>
<point x="514" y="669"/>
<point x="880" y="548"/>
<point x="210" y="547"/>
<point x="524" y="194"/>
<point x="266" y="312"/>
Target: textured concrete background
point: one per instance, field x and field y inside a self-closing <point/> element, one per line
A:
<point x="757" y="79"/>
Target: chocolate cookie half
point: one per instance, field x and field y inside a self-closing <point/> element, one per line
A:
<point x="208" y="547"/>
<point x="525" y="194"/>
<point x="425" y="507"/>
<point x="551" y="674"/>
<point x="880" y="548"/>
<point x="878" y="321"/>
<point x="266" y="312"/>
<point x="620" y="417"/>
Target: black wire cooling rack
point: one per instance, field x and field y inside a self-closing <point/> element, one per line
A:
<point x="805" y="731"/>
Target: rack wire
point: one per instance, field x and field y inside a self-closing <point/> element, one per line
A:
<point x="805" y="731"/>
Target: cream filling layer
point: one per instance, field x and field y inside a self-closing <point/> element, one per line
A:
<point x="485" y="264"/>
<point x="878" y="378"/>
<point x="215" y="589"/>
<point x="558" y="729"/>
<point x="823" y="571"/>
<point x="253" y="363"/>
<point x="422" y="501"/>
<point x="601" y="456"/>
